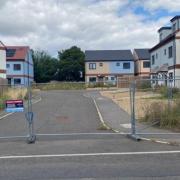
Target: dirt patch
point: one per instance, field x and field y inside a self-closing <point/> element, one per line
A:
<point x="142" y="100"/>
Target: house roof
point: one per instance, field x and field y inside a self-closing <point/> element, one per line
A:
<point x="164" y="27"/>
<point x="175" y="17"/>
<point x="2" y="46"/>
<point x="142" y="54"/>
<point x="16" y="52"/>
<point x="163" y="42"/>
<point x="108" y="55"/>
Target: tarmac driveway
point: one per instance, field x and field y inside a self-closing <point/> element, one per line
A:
<point x="57" y="112"/>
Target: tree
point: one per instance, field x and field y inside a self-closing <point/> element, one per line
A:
<point x="45" y="67"/>
<point x="71" y="64"/>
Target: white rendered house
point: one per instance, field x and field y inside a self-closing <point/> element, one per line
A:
<point x="2" y="61"/>
<point x="165" y="56"/>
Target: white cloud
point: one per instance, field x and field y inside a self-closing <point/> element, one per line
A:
<point x="89" y="24"/>
<point x="170" y="5"/>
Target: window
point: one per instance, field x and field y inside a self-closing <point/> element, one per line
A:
<point x="126" y="65"/>
<point x="17" y="67"/>
<point x="170" y="51"/>
<point x="92" y="79"/>
<point x="146" y="64"/>
<point x="92" y="65"/>
<point x="156" y="55"/>
<point x="164" y="51"/>
<point x="100" y="64"/>
<point x="112" y="78"/>
<point x="171" y="76"/>
<point x="153" y="59"/>
<point x="17" y="81"/>
<point x="174" y="27"/>
<point x="161" y="36"/>
<point x="10" y="52"/>
<point x="117" y="64"/>
<point x="7" y="65"/>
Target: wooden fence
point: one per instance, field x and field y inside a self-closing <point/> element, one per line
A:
<point x="124" y="82"/>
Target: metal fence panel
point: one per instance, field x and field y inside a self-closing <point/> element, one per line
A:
<point x="156" y="107"/>
<point x="15" y="124"/>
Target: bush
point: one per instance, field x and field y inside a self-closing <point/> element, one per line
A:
<point x="144" y="85"/>
<point x="164" y="91"/>
<point x="60" y="86"/>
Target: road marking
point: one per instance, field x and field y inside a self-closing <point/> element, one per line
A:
<point x="88" y="154"/>
<point x="6" y="115"/>
<point x="100" y="115"/>
<point x="77" y="134"/>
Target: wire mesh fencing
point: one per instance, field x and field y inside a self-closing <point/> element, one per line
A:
<point x="155" y="107"/>
<point x="16" y="116"/>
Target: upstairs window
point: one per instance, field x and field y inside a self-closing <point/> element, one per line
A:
<point x="7" y="66"/>
<point x="161" y="36"/>
<point x="117" y="64"/>
<point x="146" y="64"/>
<point x="164" y="51"/>
<point x="17" y="67"/>
<point x="153" y="59"/>
<point x="10" y="52"/>
<point x="170" y="52"/>
<point x="126" y="65"/>
<point x="156" y="55"/>
<point x="174" y="27"/>
<point x="100" y="64"/>
<point x="92" y="65"/>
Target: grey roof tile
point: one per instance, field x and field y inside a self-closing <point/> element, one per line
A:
<point x="108" y="55"/>
<point x="142" y="53"/>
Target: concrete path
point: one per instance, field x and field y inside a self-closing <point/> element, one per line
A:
<point x="120" y="121"/>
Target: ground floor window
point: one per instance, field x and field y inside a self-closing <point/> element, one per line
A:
<point x="9" y="80"/>
<point x="17" y="81"/>
<point x="171" y="76"/>
<point x="92" y="79"/>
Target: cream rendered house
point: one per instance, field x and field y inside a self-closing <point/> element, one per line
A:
<point x="142" y="62"/>
<point x="108" y="65"/>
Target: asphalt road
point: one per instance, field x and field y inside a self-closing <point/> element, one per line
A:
<point x="82" y="151"/>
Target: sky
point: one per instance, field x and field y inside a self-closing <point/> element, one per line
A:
<point x="54" y="25"/>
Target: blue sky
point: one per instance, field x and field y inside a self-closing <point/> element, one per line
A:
<point x="90" y="24"/>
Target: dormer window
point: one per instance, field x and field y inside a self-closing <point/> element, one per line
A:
<point x="174" y="27"/>
<point x="161" y="36"/>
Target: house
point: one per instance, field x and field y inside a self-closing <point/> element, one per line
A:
<point x="2" y="61"/>
<point x="19" y="65"/>
<point x="142" y="62"/>
<point x="165" y="55"/>
<point x="108" y="65"/>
